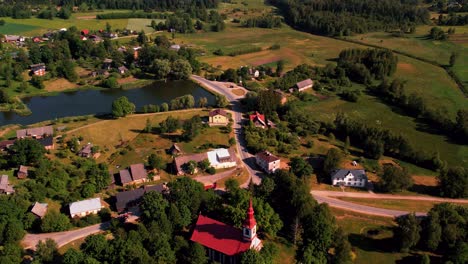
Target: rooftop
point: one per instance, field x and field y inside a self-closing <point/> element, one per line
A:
<point x="218" y="112"/>
<point x="341" y="173"/>
<point x="219" y="236"/>
<point x="267" y="156"/>
<point x="138" y="171"/>
<point x="39" y="209"/>
<point x="125" y="176"/>
<point x="85" y="206"/>
<point x="36" y="131"/>
<point x="304" y="83"/>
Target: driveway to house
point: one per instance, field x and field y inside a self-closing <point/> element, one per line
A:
<point x="62" y="238"/>
<point x="247" y="158"/>
<point x="329" y="197"/>
<point x="210" y="179"/>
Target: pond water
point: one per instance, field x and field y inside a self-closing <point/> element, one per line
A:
<point x="89" y="102"/>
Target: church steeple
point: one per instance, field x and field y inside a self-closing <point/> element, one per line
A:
<point x="249" y="228"/>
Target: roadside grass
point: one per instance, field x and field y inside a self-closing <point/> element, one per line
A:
<point x="405" y="205"/>
<point x="241" y="176"/>
<point x="209" y="135"/>
<point x="13" y="28"/>
<point x="109" y="134"/>
<point x="372" y="111"/>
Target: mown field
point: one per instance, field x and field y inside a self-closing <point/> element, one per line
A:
<point x="407" y="205"/>
<point x="35" y="26"/>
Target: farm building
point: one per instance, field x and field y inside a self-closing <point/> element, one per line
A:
<point x="39" y="209"/>
<point x="85" y="207"/>
<point x="36" y="132"/>
<point x="5" y="186"/>
<point x="22" y="172"/>
<point x="304" y="85"/>
<point x="137" y="174"/>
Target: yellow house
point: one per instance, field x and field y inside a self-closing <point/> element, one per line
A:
<point x="218" y="117"/>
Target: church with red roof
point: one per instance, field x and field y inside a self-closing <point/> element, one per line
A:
<point x="224" y="243"/>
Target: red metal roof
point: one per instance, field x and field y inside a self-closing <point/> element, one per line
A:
<point x="258" y="116"/>
<point x="219" y="236"/>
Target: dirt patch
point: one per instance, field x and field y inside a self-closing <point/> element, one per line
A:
<point x="87" y="17"/>
<point x="127" y="80"/>
<point x="238" y="92"/>
<point x="59" y="85"/>
<point x="383" y="162"/>
<point x="425" y="180"/>
<point x="406" y="67"/>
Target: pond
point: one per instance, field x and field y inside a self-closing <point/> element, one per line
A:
<point x="89" y="102"/>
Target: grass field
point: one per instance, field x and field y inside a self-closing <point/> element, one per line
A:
<point x="419" y="45"/>
<point x="406" y="205"/>
<point x="370" y="109"/>
<point x="368" y="248"/>
<point x="108" y="134"/>
<point x="35" y="26"/>
<point x="139" y="24"/>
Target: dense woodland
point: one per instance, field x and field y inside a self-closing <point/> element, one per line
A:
<point x="340" y="17"/>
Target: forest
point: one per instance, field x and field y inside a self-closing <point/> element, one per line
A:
<point x="341" y="17"/>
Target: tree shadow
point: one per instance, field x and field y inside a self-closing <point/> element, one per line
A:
<point x="368" y="243"/>
<point x="424" y="189"/>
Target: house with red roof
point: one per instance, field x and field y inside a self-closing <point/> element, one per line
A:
<point x="225" y="243"/>
<point x="260" y="120"/>
<point x="84" y="32"/>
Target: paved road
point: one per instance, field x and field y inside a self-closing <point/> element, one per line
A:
<point x="363" y="209"/>
<point x="62" y="238"/>
<point x="247" y="158"/>
<point x="328" y="197"/>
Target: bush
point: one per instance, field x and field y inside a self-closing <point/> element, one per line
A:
<point x="211" y="170"/>
<point x="111" y="83"/>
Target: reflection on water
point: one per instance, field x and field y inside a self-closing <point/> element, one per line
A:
<point x="99" y="102"/>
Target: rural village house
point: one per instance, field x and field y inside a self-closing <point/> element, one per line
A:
<point x="36" y="132"/>
<point x="86" y="151"/>
<point x="129" y="199"/>
<point x="39" y="209"/>
<point x="38" y="69"/>
<point x="225" y="243"/>
<point x="85" y="207"/>
<point x="22" y="172"/>
<point x="218" y="117"/>
<point x="218" y="158"/>
<point x="137" y="174"/>
<point x="352" y="178"/>
<point x="259" y="120"/>
<point x="5" y="186"/>
<point x="267" y="161"/>
<point x="303" y="85"/>
<point x="174" y="150"/>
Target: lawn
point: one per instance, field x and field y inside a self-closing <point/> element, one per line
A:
<point x="406" y="205"/>
<point x="210" y="135"/>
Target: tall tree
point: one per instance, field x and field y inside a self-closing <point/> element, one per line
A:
<point x="26" y="151"/>
<point x="453" y="182"/>
<point x="407" y="232"/>
<point x="395" y="179"/>
<point x="122" y="107"/>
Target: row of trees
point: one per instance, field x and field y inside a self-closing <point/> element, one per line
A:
<point x="443" y="232"/>
<point x="335" y="18"/>
<point x="415" y="105"/>
<point x="265" y="21"/>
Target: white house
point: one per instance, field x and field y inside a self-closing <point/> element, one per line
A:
<point x="85" y="207"/>
<point x="267" y="161"/>
<point x="222" y="158"/>
<point x="351" y="178"/>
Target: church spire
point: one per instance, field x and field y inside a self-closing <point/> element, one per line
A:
<point x="250" y="224"/>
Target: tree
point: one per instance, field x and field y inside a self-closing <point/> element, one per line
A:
<point x="54" y="221"/>
<point x="181" y="69"/>
<point x="251" y="257"/>
<point x="148" y="127"/>
<point x="221" y="101"/>
<point x="342" y="254"/>
<point x="4" y="98"/>
<point x="300" y="167"/>
<point x="156" y="162"/>
<point x="407" y="232"/>
<point x="162" y="41"/>
<point x="279" y="68"/>
<point x="347" y="145"/>
<point x="453" y="182"/>
<point x="37" y="82"/>
<point x="433" y="230"/>
<point x="453" y="59"/>
<point x="26" y="151"/>
<point x="142" y="38"/>
<point x="459" y="255"/>
<point x="164" y="107"/>
<point x="425" y="259"/>
<point x="95" y="246"/>
<point x="332" y="160"/>
<point x="202" y="102"/>
<point x="395" y="179"/>
<point x="161" y="68"/>
<point x="169" y="125"/>
<point x="47" y="251"/>
<point x="153" y="206"/>
<point x="197" y="254"/>
<point x="122" y="107"/>
<point x="73" y="256"/>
